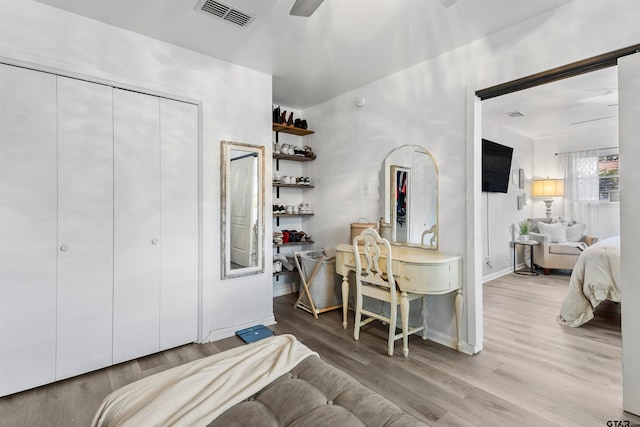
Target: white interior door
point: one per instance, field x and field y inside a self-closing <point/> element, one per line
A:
<point x="136" y="293"/>
<point x="242" y="189"/>
<point x="28" y="228"/>
<point x="85" y="227"/>
<point x="179" y="223"/>
<point x="629" y="134"/>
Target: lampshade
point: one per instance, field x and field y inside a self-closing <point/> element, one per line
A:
<point x="548" y="188"/>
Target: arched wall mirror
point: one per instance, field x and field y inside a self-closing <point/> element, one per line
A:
<point x="408" y="196"/>
<point x="242" y="205"/>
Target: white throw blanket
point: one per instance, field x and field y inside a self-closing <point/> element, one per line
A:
<point x="196" y="393"/>
<point x="580" y="245"/>
<point x="594" y="279"/>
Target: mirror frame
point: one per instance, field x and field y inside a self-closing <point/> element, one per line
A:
<point x="434" y="241"/>
<point x="225" y="226"/>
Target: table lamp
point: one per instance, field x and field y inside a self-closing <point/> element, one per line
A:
<point x="548" y="189"/>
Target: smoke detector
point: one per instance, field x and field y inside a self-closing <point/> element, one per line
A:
<point x="225" y="12"/>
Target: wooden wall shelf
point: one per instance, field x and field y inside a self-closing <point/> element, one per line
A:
<point x="291" y="129"/>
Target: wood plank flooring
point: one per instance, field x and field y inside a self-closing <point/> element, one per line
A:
<point x="532" y="371"/>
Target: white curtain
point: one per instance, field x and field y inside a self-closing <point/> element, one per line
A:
<point x="581" y="186"/>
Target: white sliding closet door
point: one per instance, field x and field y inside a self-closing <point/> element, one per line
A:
<point x="136" y="311"/>
<point x="27" y="228"/>
<point x="85" y="227"/>
<point x="629" y="131"/>
<point x="179" y="248"/>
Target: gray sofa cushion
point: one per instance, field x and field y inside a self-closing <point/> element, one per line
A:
<point x="560" y="249"/>
<point x="315" y="393"/>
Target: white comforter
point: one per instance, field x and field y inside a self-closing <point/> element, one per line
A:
<point x="594" y="279"/>
<point x="195" y="393"/>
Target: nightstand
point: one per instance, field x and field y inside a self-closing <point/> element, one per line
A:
<point x="531" y="244"/>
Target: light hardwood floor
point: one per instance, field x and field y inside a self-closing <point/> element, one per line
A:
<point x="532" y="371"/>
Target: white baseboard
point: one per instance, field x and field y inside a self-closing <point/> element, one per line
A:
<point x="500" y="273"/>
<point x="448" y="341"/>
<point x="219" y="334"/>
<point x="284" y="288"/>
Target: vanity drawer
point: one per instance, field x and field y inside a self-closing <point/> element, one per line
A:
<point x="429" y="278"/>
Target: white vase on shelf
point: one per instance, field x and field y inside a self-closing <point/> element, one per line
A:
<point x="524" y="237"/>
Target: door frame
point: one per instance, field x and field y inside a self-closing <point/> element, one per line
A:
<point x="474" y="164"/>
<point x="573" y="69"/>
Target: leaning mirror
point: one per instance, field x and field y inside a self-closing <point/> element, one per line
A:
<point x="242" y="204"/>
<point x="408" y="194"/>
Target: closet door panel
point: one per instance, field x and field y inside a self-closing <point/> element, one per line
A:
<point x="27" y="228"/>
<point x="136" y="311"/>
<point x="179" y="224"/>
<point x="85" y="227"/>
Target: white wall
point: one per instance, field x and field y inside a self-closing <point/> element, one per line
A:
<point x="500" y="210"/>
<point x="427" y="105"/>
<point x="235" y="106"/>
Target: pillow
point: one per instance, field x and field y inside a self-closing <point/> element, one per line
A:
<point x="575" y="232"/>
<point x="567" y="221"/>
<point x="556" y="232"/>
<point x="534" y="223"/>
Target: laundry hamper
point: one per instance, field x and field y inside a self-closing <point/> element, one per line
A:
<point x="319" y="291"/>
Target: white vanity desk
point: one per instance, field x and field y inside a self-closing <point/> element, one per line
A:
<point x="416" y="270"/>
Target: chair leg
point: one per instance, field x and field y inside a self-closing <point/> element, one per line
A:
<point x="358" y="317"/>
<point x="404" y="312"/>
<point x="393" y="315"/>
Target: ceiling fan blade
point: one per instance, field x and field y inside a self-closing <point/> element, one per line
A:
<point x="447" y="3"/>
<point x="305" y="7"/>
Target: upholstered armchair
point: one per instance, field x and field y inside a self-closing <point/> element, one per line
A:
<point x="560" y="244"/>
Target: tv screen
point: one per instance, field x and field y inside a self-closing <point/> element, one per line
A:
<point x="496" y="166"/>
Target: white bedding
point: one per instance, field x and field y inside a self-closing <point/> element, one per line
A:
<point x="195" y="393"/>
<point x="594" y="279"/>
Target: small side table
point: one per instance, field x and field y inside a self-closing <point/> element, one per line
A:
<point x="531" y="244"/>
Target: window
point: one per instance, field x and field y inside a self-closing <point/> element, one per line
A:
<point x="608" y="178"/>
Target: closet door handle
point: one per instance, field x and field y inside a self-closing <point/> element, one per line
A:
<point x="64" y="248"/>
<point x="154" y="242"/>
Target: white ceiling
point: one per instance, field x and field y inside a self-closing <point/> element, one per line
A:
<point x="344" y="45"/>
<point x="577" y="104"/>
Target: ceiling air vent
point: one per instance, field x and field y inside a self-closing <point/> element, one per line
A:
<point x="225" y="12"/>
<point x="514" y="114"/>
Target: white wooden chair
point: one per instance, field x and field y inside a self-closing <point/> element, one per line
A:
<point x="433" y="231"/>
<point x="374" y="279"/>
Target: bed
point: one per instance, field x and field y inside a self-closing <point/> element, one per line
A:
<point x="274" y="382"/>
<point x="594" y="279"/>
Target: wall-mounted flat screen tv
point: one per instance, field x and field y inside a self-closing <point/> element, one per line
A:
<point x="496" y="166"/>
